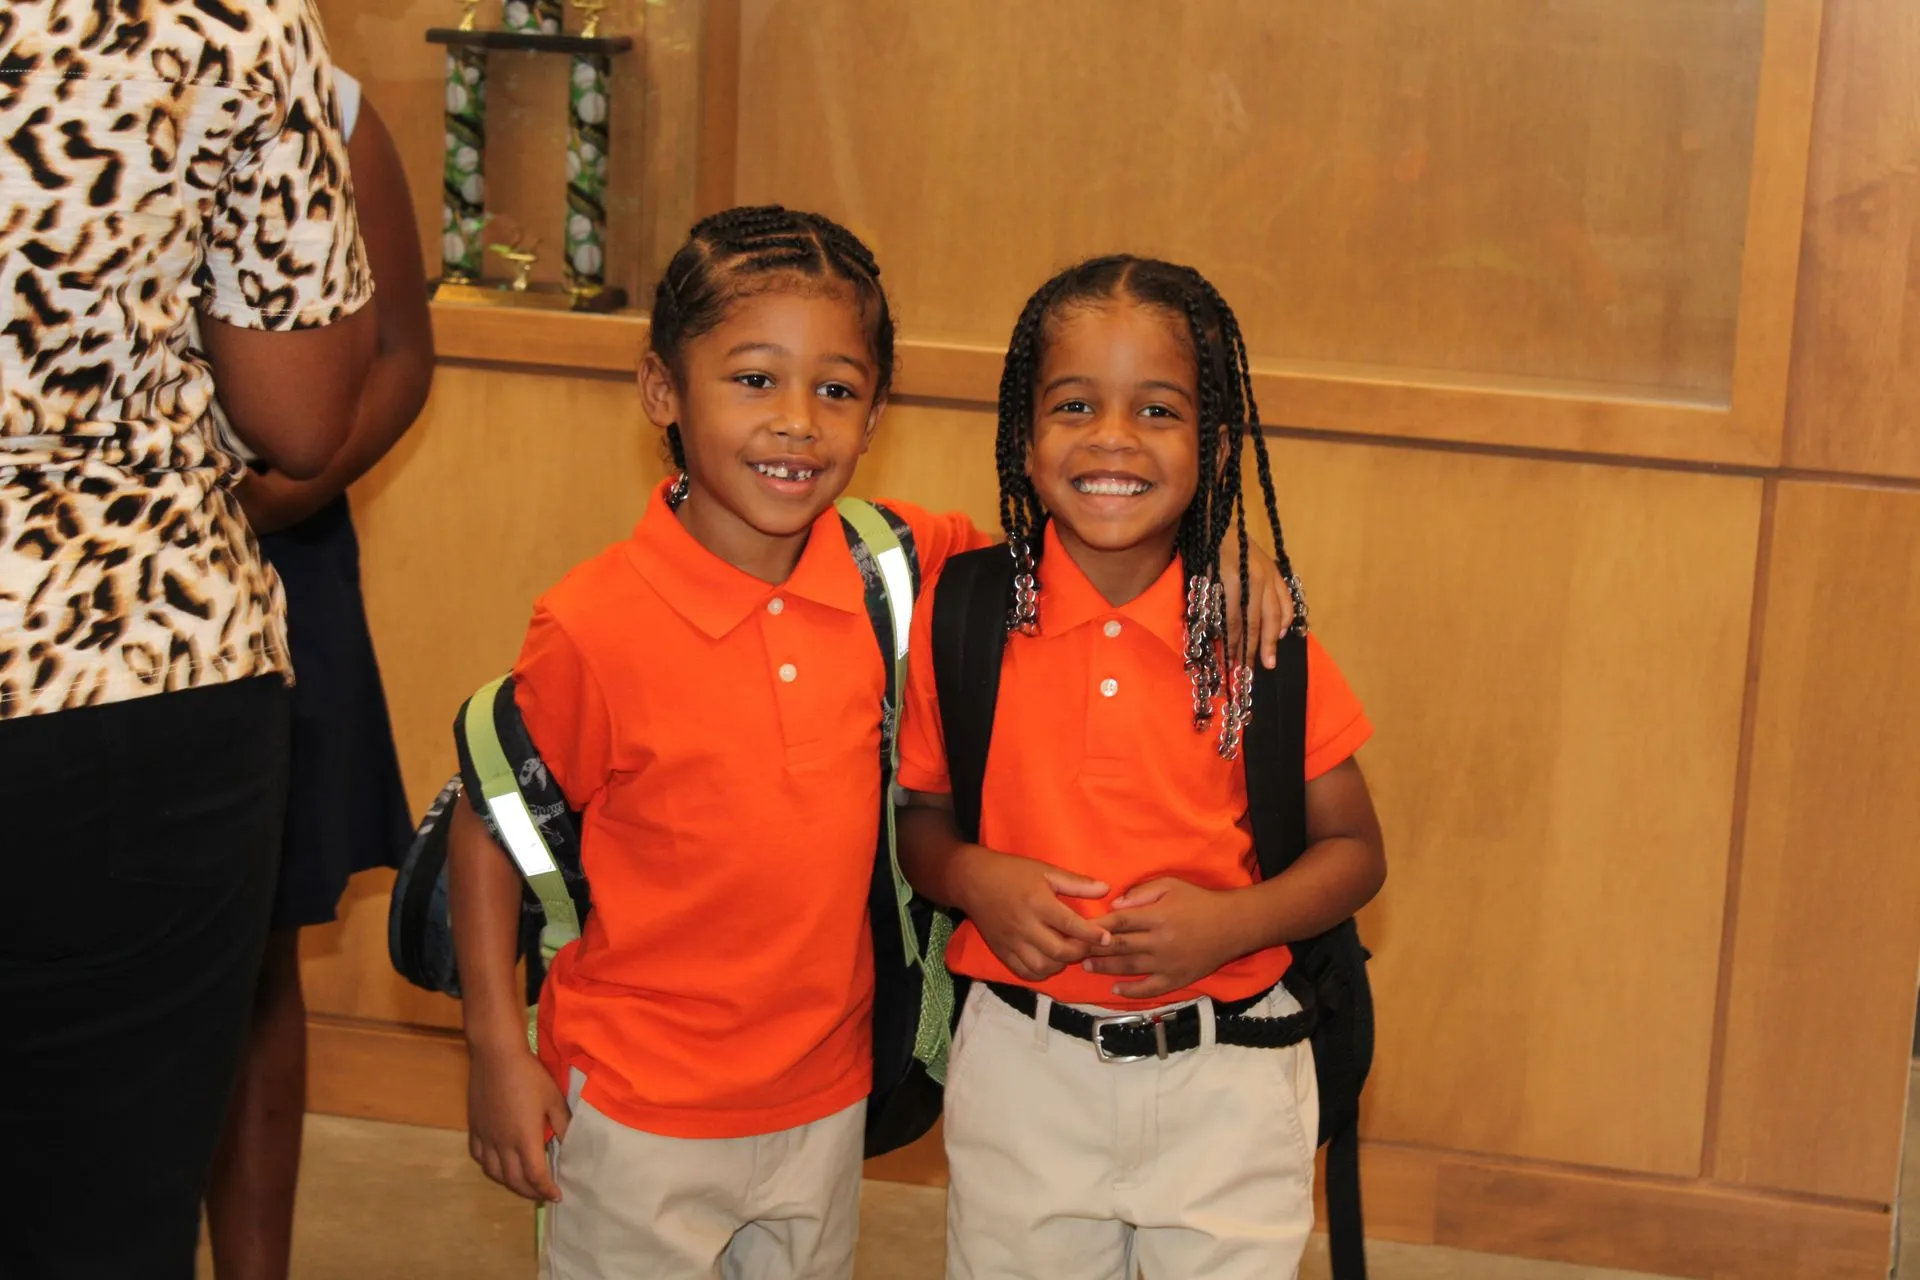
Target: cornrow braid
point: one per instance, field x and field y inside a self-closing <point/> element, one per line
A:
<point x="1228" y="418"/>
<point x="754" y="249"/>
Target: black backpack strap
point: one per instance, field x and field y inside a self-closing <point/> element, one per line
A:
<point x="970" y="605"/>
<point x="1276" y="761"/>
<point x="1346" y="1228"/>
<point x="1276" y="745"/>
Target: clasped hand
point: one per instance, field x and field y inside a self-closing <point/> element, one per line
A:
<point x="1162" y="935"/>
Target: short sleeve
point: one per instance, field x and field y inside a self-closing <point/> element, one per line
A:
<point x="937" y="537"/>
<point x="564" y="710"/>
<point x="1336" y="725"/>
<point x="923" y="743"/>
<point x="283" y="248"/>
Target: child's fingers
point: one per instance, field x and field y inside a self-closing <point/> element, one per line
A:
<point x="1077" y="931"/>
<point x="1276" y="615"/>
<point x="1146" y="989"/>
<point x="1069" y="885"/>
<point x="516" y="1176"/>
<point x="1029" y="965"/>
<point x="538" y="1173"/>
<point x="1143" y="895"/>
<point x="490" y="1165"/>
<point x="1118" y="966"/>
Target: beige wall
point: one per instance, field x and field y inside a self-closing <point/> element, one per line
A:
<point x="1585" y="328"/>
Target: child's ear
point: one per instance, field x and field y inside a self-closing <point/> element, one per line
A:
<point x="873" y="422"/>
<point x="659" y="392"/>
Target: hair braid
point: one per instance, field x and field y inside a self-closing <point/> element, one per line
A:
<point x="1236" y="342"/>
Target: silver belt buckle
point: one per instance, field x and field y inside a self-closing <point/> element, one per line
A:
<point x="1155" y="1020"/>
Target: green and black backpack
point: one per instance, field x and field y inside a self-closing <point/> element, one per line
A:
<point x="1328" y="975"/>
<point x="509" y="786"/>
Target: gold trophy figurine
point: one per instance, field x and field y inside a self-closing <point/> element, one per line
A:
<point x="467" y="15"/>
<point x="522" y="260"/>
<point x="593" y="10"/>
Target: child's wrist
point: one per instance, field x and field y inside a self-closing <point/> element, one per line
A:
<point x="1249" y="924"/>
<point x="495" y="1033"/>
<point x="962" y="870"/>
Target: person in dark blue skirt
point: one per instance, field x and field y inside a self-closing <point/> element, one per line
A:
<point x="346" y="807"/>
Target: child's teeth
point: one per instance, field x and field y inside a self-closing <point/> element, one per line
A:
<point x="1112" y="488"/>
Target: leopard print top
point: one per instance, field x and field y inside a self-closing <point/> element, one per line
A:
<point x="155" y="155"/>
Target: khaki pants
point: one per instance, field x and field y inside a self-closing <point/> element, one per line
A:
<point x="637" y="1206"/>
<point x="1065" y="1167"/>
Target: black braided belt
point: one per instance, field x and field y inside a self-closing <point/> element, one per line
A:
<point x="1133" y="1037"/>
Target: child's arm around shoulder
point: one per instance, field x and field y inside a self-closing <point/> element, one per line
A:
<point x="939" y="536"/>
<point x="1269" y="606"/>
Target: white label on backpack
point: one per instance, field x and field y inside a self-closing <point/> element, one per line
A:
<point x="522" y="838"/>
<point x="899" y="578"/>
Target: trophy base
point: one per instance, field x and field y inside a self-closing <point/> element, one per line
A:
<point x="535" y="297"/>
<point x="530" y="41"/>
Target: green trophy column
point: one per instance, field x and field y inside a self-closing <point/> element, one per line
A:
<point x="464" y="184"/>
<point x="587" y="174"/>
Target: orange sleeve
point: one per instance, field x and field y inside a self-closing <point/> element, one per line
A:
<point x="1336" y="725"/>
<point x="564" y="709"/>
<point x="936" y="537"/>
<point x="923" y="743"/>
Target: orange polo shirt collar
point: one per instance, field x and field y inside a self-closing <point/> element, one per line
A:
<point x="715" y="596"/>
<point x="1068" y="599"/>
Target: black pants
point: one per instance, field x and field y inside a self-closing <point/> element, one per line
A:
<point x="138" y="848"/>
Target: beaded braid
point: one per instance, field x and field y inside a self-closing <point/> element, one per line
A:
<point x="1021" y="514"/>
<point x="1236" y="344"/>
<point x="738" y="252"/>
<point x="1228" y="417"/>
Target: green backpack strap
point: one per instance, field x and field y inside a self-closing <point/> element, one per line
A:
<point x="895" y="574"/>
<point x="888" y="565"/>
<point x="519" y="833"/>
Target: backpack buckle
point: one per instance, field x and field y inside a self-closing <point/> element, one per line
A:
<point x="1158" y="1021"/>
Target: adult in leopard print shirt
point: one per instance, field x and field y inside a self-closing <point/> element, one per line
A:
<point x="155" y="156"/>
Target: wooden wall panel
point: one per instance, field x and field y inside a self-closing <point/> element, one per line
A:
<point x="507" y="481"/>
<point x="1500" y="188"/>
<point x="1553" y="656"/>
<point x="1855" y="402"/>
<point x="1827" y="939"/>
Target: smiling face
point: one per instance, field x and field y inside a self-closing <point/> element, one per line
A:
<point x="775" y="405"/>
<point x="1115" y="452"/>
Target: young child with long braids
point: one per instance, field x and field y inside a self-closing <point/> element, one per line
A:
<point x="1115" y="871"/>
<point x="707" y="695"/>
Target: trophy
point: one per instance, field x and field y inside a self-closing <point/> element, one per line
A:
<point x="531" y="26"/>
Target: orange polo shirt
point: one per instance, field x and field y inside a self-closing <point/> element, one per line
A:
<point x="721" y="736"/>
<point x="1095" y="766"/>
